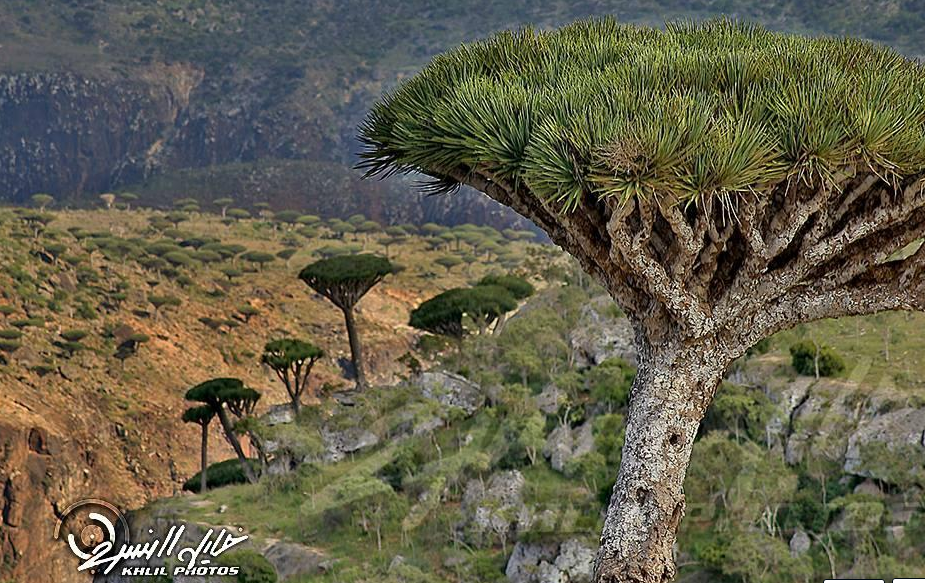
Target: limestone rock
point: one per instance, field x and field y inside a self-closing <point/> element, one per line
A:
<point x="277" y="414"/>
<point x="902" y="432"/>
<point x="548" y="400"/>
<point x="799" y="543"/>
<point x="337" y="444"/>
<point x="572" y="561"/>
<point x="563" y="444"/>
<point x="600" y="335"/>
<point x="494" y="509"/>
<point x="293" y="560"/>
<point x="451" y="390"/>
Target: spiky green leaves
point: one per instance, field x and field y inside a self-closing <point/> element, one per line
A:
<point x="623" y="111"/>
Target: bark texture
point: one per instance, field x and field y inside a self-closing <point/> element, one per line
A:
<point x="703" y="282"/>
<point x="671" y="392"/>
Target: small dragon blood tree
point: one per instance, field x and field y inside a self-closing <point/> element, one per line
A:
<point x="721" y="181"/>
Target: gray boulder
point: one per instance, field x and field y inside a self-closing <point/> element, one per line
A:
<point x="600" y="335"/>
<point x="495" y="509"/>
<point x="799" y="544"/>
<point x="278" y="414"/>
<point x="293" y="560"/>
<point x="338" y="443"/>
<point x="563" y="444"/>
<point x="572" y="561"/>
<point x="548" y="400"/>
<point x="451" y="390"/>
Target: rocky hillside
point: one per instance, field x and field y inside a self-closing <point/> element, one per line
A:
<point x="463" y="474"/>
<point x="261" y="101"/>
<point x="84" y="419"/>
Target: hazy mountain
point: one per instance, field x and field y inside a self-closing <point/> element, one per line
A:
<point x="260" y="100"/>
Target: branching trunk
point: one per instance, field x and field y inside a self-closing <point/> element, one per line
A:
<point x="670" y="396"/>
<point x="236" y="445"/>
<point x="356" y="352"/>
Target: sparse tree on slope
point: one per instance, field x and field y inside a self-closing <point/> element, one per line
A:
<point x="345" y="280"/>
<point x="292" y="361"/>
<point x="202" y="416"/>
<point x="223" y="395"/>
<point x="721" y="181"/>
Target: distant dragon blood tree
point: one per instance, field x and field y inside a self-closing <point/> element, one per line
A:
<point x="721" y="181"/>
<point x="344" y="280"/>
<point x="292" y="360"/>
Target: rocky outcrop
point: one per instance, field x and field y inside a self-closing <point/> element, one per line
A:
<point x="340" y="442"/>
<point x="900" y="432"/>
<point x="494" y="511"/>
<point x="601" y="333"/>
<point x="572" y="561"/>
<point x="451" y="390"/>
<point x="564" y="444"/>
<point x="293" y="560"/>
<point x="871" y="434"/>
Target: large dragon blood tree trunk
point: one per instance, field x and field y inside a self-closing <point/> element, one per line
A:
<point x="721" y="182"/>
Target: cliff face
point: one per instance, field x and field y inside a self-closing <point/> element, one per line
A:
<point x="162" y="135"/>
<point x="67" y="134"/>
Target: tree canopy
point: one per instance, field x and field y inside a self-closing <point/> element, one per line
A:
<point x="695" y="110"/>
<point x="227" y="391"/>
<point x="346" y="278"/>
<point x="443" y="314"/>
<point x="292" y="360"/>
<point x="519" y="287"/>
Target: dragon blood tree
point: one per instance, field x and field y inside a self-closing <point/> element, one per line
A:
<point x="721" y="181"/>
<point x="344" y="280"/>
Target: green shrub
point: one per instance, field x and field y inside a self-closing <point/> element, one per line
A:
<point x="10" y="334"/>
<point x="254" y="567"/>
<point x="804" y="355"/>
<point x="221" y="474"/>
<point x="74" y="335"/>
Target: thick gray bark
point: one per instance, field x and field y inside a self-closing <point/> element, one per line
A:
<point x="702" y="283"/>
<point x="670" y="396"/>
<point x="356" y="351"/>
